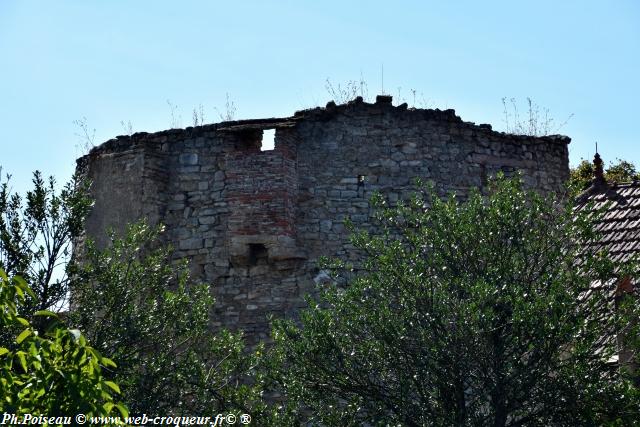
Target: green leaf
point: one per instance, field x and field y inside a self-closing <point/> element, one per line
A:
<point x="22" y="285"/>
<point x="123" y="410"/>
<point x="22" y="321"/>
<point x="46" y="313"/>
<point x="23" y="360"/>
<point x="3" y="351"/>
<point x="23" y="335"/>
<point x="113" y="386"/>
<point x="108" y="362"/>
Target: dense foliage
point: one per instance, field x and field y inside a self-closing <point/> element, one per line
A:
<point x="466" y="313"/>
<point x="138" y="306"/>
<point x="36" y="232"/>
<point x="54" y="374"/>
<point x="132" y="302"/>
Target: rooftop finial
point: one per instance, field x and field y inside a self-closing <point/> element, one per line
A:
<point x="598" y="173"/>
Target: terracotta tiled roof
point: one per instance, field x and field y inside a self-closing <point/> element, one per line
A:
<point x="619" y="226"/>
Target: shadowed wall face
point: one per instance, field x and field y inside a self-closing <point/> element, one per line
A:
<point x="253" y="223"/>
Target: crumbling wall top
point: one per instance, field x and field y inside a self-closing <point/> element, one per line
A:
<point x="356" y="107"/>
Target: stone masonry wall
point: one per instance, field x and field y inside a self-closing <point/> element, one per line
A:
<point x="253" y="223"/>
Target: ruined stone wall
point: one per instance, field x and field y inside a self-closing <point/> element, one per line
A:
<point x="253" y="223"/>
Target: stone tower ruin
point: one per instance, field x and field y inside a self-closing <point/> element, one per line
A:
<point x="254" y="222"/>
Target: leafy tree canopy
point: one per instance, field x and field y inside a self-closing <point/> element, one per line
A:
<point x="619" y="172"/>
<point x="132" y="301"/>
<point x="36" y="232"/>
<point x="54" y="374"/>
<point x="143" y="309"/>
<point x="466" y="313"/>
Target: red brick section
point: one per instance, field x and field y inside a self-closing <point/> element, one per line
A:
<point x="261" y="193"/>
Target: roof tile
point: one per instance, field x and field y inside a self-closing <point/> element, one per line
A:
<point x="619" y="225"/>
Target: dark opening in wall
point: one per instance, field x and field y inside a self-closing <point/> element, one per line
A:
<point x="268" y="139"/>
<point x="249" y="139"/>
<point x="258" y="254"/>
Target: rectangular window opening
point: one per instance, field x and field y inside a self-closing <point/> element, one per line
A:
<point x="268" y="140"/>
<point x="258" y="254"/>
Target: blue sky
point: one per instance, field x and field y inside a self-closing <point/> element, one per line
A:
<point x="118" y="60"/>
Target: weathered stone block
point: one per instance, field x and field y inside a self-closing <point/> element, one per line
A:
<point x="325" y="225"/>
<point x="353" y="180"/>
<point x="193" y="243"/>
<point x="189" y="159"/>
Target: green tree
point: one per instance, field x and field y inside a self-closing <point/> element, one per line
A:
<point x="465" y="313"/>
<point x="54" y="374"/>
<point x="36" y="233"/>
<point x="132" y="301"/>
<point x="619" y="172"/>
<point x="144" y="310"/>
